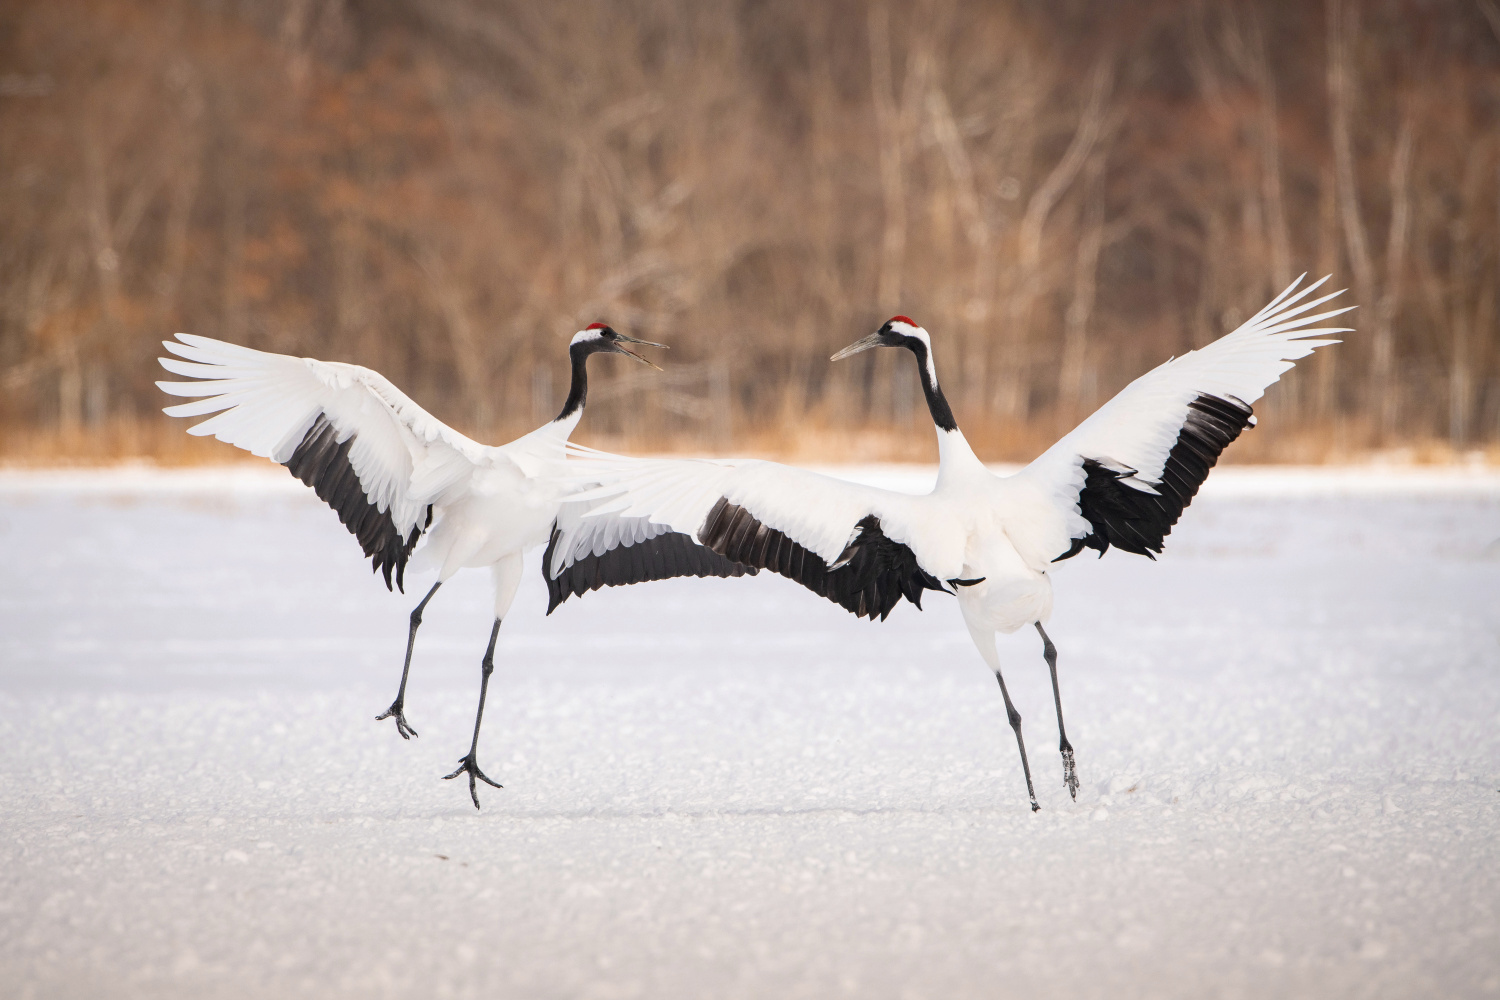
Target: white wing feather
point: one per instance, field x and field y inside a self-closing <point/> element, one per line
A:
<point x="266" y="403"/>
<point x="1139" y="426"/>
<point x="583" y="536"/>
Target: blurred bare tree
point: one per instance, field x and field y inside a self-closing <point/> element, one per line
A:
<point x="1064" y="194"/>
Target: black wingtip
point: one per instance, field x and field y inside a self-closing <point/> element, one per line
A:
<point x="665" y="556"/>
<point x="1138" y="521"/>
<point x="867" y="579"/>
<point x="321" y="461"/>
<point x="555" y="594"/>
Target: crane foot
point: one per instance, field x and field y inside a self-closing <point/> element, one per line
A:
<point x="469" y="764"/>
<point x="1070" y="773"/>
<point x="402" y="726"/>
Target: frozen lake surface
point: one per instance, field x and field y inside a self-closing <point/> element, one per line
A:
<point x="1288" y="733"/>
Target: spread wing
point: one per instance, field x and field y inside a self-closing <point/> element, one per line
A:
<point x="860" y="547"/>
<point x="586" y="553"/>
<point x="372" y="454"/>
<point x="1127" y="472"/>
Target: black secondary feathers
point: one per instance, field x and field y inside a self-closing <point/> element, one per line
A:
<point x="322" y="462"/>
<point x="868" y="578"/>
<point x="1139" y="522"/>
<point x="663" y="557"/>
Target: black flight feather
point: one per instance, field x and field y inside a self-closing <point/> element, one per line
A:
<point x="664" y="557"/>
<point x="322" y="462"/>
<point x="869" y="577"/>
<point x="1137" y="521"/>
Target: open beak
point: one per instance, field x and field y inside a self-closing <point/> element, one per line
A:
<point x="631" y="354"/>
<point x="873" y="340"/>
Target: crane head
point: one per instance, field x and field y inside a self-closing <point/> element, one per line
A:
<point x="601" y="338"/>
<point x="898" y="331"/>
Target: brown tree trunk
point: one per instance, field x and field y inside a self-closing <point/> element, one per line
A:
<point x="1071" y="372"/>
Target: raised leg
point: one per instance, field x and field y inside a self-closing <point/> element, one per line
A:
<point x="398" y="706"/>
<point x="1015" y="723"/>
<point x="470" y="761"/>
<point x="1070" y="774"/>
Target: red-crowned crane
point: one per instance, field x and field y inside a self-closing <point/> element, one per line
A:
<point x="1121" y="478"/>
<point x="394" y="473"/>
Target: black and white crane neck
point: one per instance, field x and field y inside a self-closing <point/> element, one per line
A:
<point x="596" y="338"/>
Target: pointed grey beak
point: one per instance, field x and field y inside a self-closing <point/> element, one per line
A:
<point x="643" y="343"/>
<point x="632" y="354"/>
<point x="873" y="340"/>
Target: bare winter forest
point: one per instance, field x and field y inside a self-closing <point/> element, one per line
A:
<point x="1064" y="193"/>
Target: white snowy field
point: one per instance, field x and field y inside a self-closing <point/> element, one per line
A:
<point x="1288" y="732"/>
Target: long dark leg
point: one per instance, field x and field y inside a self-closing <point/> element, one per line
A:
<point x="470" y="762"/>
<point x="1015" y="723"/>
<point x="1070" y="774"/>
<point x="398" y="706"/>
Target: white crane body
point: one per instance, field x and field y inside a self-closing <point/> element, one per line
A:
<point x="399" y="478"/>
<point x="1121" y="478"/>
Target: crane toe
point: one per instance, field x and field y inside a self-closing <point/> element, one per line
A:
<point x="468" y="764"/>
<point x="402" y="726"/>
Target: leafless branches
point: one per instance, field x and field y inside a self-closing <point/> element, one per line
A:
<point x="446" y="189"/>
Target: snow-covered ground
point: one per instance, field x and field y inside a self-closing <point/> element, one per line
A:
<point x="1288" y="731"/>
